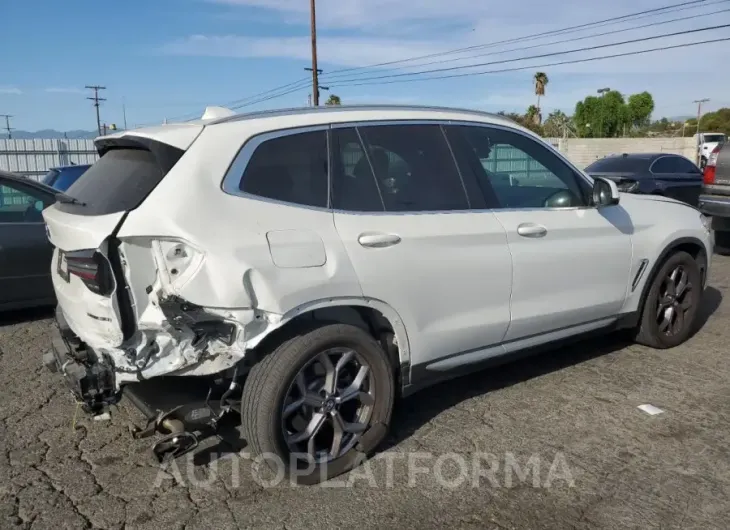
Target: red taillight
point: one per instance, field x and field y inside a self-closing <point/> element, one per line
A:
<point x="708" y="176"/>
<point x="91" y="267"/>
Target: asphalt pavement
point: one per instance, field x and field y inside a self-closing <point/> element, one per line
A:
<point x="555" y="441"/>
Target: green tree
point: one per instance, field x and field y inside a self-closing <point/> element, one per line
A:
<point x="333" y="100"/>
<point x="557" y="124"/>
<point x="603" y="116"/>
<point x="640" y="107"/>
<point x="541" y="81"/>
<point x="586" y="117"/>
<point x="718" y="121"/>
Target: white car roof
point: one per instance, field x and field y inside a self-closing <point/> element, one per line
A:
<point x="181" y="135"/>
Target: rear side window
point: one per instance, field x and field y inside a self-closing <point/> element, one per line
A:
<point x="665" y="164"/>
<point x="50" y="178"/>
<point x="118" y="182"/>
<point x="67" y="177"/>
<point x="619" y="164"/>
<point x="290" y="168"/>
<point x="685" y="166"/>
<point x="414" y="168"/>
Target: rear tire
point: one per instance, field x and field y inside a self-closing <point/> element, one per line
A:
<point x="672" y="303"/>
<point x="291" y="389"/>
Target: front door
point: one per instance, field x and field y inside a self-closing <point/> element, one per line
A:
<point x="404" y="215"/>
<point x="25" y="253"/>
<point x="571" y="261"/>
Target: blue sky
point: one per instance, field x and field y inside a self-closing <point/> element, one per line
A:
<point x="171" y="58"/>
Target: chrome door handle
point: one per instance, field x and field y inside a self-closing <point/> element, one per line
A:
<point x="378" y="240"/>
<point x="531" y="230"/>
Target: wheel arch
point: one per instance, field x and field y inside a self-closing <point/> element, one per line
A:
<point x="376" y="317"/>
<point x="692" y="245"/>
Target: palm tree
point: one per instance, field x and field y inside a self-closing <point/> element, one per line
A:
<point x="541" y="81"/>
<point x="532" y="113"/>
<point x="333" y="100"/>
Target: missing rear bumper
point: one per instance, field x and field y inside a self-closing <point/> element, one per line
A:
<point x="89" y="376"/>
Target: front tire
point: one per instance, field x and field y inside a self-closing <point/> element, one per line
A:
<point x="672" y="303"/>
<point x="318" y="404"/>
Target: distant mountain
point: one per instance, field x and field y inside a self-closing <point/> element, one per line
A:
<point x="52" y="134"/>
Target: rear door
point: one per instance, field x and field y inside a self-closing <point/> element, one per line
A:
<point x="25" y="253"/>
<point x="678" y="178"/>
<point x="86" y="271"/>
<point x="416" y="240"/>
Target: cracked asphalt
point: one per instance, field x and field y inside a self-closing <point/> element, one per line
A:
<point x="554" y="441"/>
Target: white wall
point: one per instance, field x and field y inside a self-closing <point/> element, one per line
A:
<point x="583" y="151"/>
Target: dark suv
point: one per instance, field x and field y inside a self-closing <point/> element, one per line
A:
<point x="651" y="173"/>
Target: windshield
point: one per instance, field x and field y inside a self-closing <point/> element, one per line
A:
<point x="619" y="164"/>
<point x="711" y="138"/>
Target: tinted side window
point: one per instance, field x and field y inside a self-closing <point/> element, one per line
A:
<point x="354" y="187"/>
<point x="519" y="171"/>
<point x="665" y="164"/>
<point x="685" y="166"/>
<point x="290" y="168"/>
<point x="19" y="206"/>
<point x="414" y="168"/>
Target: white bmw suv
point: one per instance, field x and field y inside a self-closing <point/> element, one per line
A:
<point x="305" y="267"/>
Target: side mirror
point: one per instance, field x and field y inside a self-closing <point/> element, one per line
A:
<point x="605" y="192"/>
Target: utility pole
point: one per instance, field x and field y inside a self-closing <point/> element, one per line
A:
<point x="124" y="114"/>
<point x="96" y="99"/>
<point x="7" y="125"/>
<point x="602" y="92"/>
<point x="699" y="117"/>
<point x="315" y="71"/>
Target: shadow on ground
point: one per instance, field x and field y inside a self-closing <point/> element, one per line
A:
<point x="22" y="316"/>
<point x="413" y="412"/>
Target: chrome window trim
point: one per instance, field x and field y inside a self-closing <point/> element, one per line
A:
<point x="234" y="174"/>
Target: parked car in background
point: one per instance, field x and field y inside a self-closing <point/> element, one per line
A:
<point x="715" y="197"/>
<point x="340" y="257"/>
<point x="706" y="143"/>
<point x="62" y="177"/>
<point x="664" y="174"/>
<point x="25" y="252"/>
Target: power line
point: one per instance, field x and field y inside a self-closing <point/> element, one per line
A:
<point x="96" y="99"/>
<point x="573" y="39"/>
<point x="467" y="74"/>
<point x="7" y="125"/>
<point x="299" y="84"/>
<point x="523" y="38"/>
<point x="559" y="63"/>
<point x="347" y="82"/>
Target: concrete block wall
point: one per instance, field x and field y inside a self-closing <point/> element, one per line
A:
<point x="583" y="151"/>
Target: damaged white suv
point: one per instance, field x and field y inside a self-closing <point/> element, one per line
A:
<point x="305" y="267"/>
